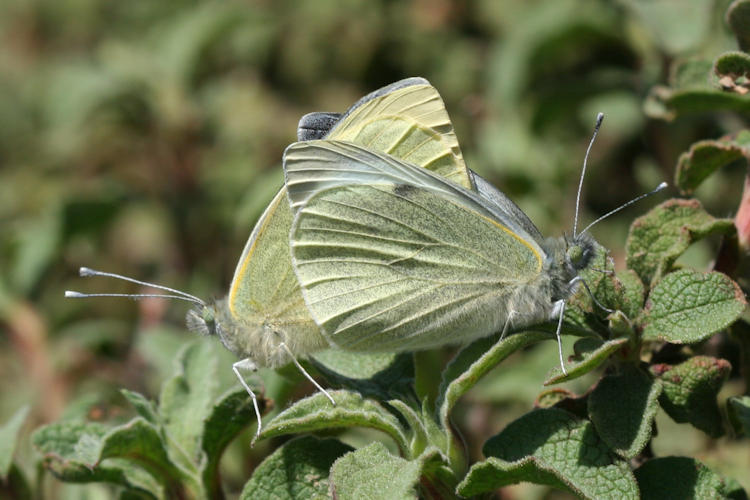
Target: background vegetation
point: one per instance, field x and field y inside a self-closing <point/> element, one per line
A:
<point x="145" y="138"/>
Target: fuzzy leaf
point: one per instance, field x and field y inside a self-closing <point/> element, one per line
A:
<point x="694" y="74"/>
<point x="738" y="19"/>
<point x="351" y="410"/>
<point x="733" y="64"/>
<point x="658" y="238"/>
<point x="551" y="447"/>
<point x="297" y="470"/>
<point x="418" y="434"/>
<point x="688" y="306"/>
<point x="187" y="398"/>
<point x="352" y="364"/>
<point x="622" y="408"/>
<point x="373" y="473"/>
<point x="473" y="362"/>
<point x="683" y="477"/>
<point x="590" y="353"/>
<point x="381" y="376"/>
<point x="15" y="485"/>
<point x="143" y="406"/>
<point x="668" y="103"/>
<point x="674" y="28"/>
<point x="71" y="452"/>
<point x="633" y="293"/>
<point x="141" y="443"/>
<point x="690" y="391"/>
<point x="705" y="157"/>
<point x="9" y="438"/>
<point x="738" y="408"/>
<point x="551" y="397"/>
<point x="230" y="415"/>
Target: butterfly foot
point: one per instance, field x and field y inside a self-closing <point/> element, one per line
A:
<point x="247" y="364"/>
<point x="304" y="372"/>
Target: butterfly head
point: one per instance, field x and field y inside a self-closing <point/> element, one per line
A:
<point x="214" y="319"/>
<point x="579" y="252"/>
<point x="202" y="320"/>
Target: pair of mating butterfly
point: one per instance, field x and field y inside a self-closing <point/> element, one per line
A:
<point x="382" y="239"/>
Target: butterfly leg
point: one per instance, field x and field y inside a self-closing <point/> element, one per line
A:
<point x="558" y="309"/>
<point x="578" y="279"/>
<point x="304" y="372"/>
<point x="508" y="323"/>
<point x="247" y="364"/>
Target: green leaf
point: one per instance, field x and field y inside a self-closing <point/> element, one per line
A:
<point x="706" y="157"/>
<point x="15" y="485"/>
<point x="297" y="470"/>
<point x="658" y="238"/>
<point x="689" y="306"/>
<point x="690" y="391"/>
<point x="551" y="397"/>
<point x="352" y="410"/>
<point x="473" y="362"/>
<point x="9" y="438"/>
<point x="354" y="365"/>
<point x="590" y="353"/>
<point x="418" y="434"/>
<point x="35" y="248"/>
<point x="692" y="74"/>
<point x="71" y="452"/>
<point x="738" y="19"/>
<point x="683" y="477"/>
<point x="633" y="293"/>
<point x="187" y="398"/>
<point x="143" y="406"/>
<point x="738" y="408"/>
<point x="622" y="408"/>
<point x="674" y="27"/>
<point x="373" y="473"/>
<point x="668" y="103"/>
<point x="551" y="447"/>
<point x="230" y="415"/>
<point x="381" y="375"/>
<point x="733" y="64"/>
<point x="141" y="443"/>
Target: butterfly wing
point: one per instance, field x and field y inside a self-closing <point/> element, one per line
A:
<point x="503" y="204"/>
<point x="426" y="136"/>
<point x="392" y="257"/>
<point x="408" y="120"/>
<point x="254" y="299"/>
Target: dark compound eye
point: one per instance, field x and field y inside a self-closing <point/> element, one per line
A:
<point x="575" y="254"/>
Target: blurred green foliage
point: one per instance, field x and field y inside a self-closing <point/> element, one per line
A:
<point x="145" y="138"/>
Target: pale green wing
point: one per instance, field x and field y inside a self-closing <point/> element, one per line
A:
<point x="390" y="259"/>
<point x="265" y="293"/>
<point x="314" y="166"/>
<point x="407" y="120"/>
<point x="416" y="112"/>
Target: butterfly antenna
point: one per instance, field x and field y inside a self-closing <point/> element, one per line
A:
<point x="599" y="119"/>
<point x="174" y="294"/>
<point x="658" y="188"/>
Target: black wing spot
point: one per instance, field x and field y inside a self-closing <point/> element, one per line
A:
<point x="404" y="190"/>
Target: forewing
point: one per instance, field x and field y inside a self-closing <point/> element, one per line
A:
<point x="313" y="166"/>
<point x="398" y="267"/>
<point x="254" y="296"/>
